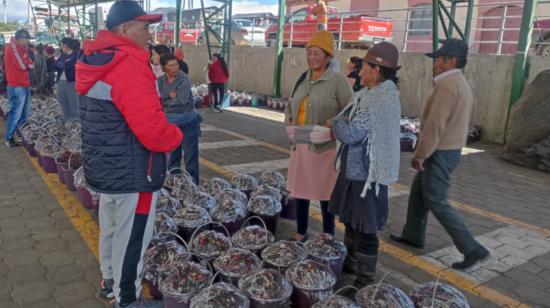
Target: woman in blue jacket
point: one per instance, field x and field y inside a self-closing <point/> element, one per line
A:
<point x="65" y="67"/>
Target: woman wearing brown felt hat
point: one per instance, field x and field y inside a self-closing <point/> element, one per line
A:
<point x="368" y="131"/>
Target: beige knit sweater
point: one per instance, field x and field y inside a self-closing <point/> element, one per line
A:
<point x="445" y="116"/>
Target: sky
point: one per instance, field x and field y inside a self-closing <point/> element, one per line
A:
<point x="17" y="9"/>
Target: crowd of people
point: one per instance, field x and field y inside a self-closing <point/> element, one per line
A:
<point x="350" y="174"/>
<point x="138" y="120"/>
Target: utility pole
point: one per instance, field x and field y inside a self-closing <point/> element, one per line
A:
<point x="5" y="16"/>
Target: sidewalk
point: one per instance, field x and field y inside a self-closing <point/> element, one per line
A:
<point x="506" y="207"/>
<point x="44" y="262"/>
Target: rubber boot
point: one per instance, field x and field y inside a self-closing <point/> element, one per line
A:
<point x="366" y="270"/>
<point x="350" y="262"/>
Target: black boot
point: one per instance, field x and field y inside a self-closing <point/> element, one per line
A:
<point x="350" y="262"/>
<point x="366" y="270"/>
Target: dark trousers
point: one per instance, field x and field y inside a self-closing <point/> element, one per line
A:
<point x="302" y="217"/>
<point x="218" y="91"/>
<point x="189" y="146"/>
<point x="365" y="243"/>
<point x="429" y="193"/>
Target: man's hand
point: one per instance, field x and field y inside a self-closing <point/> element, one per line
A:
<point x="173" y="94"/>
<point x="417" y="164"/>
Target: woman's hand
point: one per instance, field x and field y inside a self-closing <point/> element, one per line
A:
<point x="173" y="94"/>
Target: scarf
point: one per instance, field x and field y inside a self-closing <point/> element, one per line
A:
<point x="379" y="111"/>
<point x="23" y="62"/>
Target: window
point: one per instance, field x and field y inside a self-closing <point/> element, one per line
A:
<point x="420" y="20"/>
<point x="299" y="15"/>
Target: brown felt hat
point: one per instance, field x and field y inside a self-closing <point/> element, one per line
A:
<point x="383" y="54"/>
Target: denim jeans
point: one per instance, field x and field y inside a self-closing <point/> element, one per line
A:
<point x="190" y="126"/>
<point x="302" y="217"/>
<point x="19" y="108"/>
<point x="429" y="193"/>
<point x="69" y="100"/>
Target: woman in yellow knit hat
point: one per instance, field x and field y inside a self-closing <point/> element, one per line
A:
<point x="318" y="96"/>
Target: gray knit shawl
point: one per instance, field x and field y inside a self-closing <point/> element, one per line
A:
<point x="379" y="111"/>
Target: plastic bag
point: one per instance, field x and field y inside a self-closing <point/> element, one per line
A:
<point x="311" y="275"/>
<point x="201" y="199"/>
<point x="266" y="285"/>
<point x="264" y="205"/>
<point x="244" y="182"/>
<point x="253" y="238"/>
<point x="266" y="189"/>
<point x="220" y="295"/>
<point x="164" y="227"/>
<point x="324" y="246"/>
<point x="237" y="262"/>
<point x="283" y="254"/>
<point x="383" y="295"/>
<point x="231" y="194"/>
<point x="229" y="211"/>
<point x="210" y="244"/>
<point x="215" y="186"/>
<point x="184" y="280"/>
<point x="336" y="301"/>
<point x="446" y="296"/>
<point x="191" y="217"/>
<point x="274" y="179"/>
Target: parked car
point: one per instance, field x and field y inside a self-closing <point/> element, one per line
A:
<point x="243" y="33"/>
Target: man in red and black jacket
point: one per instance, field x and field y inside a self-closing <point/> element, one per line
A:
<point x="125" y="138"/>
<point x="18" y="65"/>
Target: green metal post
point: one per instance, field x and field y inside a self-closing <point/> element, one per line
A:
<point x="453" y="16"/>
<point x="96" y="17"/>
<point x="83" y="30"/>
<point x="69" y="15"/>
<point x="444" y="26"/>
<point x="435" y="24"/>
<point x="178" y="23"/>
<point x="520" y="66"/>
<point x="468" y="26"/>
<point x="229" y="25"/>
<point x="451" y="21"/>
<point x="206" y="34"/>
<point x="279" y="49"/>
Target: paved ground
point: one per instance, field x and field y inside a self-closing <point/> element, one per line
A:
<point x="47" y="241"/>
<point x="507" y="207"/>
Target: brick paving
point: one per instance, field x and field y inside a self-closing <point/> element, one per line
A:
<point x="44" y="262"/>
<point x="519" y="267"/>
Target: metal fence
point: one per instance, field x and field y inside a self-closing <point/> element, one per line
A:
<point x="495" y="28"/>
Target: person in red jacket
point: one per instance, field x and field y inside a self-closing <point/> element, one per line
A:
<point x="18" y="65"/>
<point x="126" y="138"/>
<point x="218" y="73"/>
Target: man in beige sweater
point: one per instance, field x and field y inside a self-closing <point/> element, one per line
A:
<point x="445" y="119"/>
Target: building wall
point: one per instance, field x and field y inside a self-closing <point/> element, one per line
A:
<point x="398" y="11"/>
<point x="252" y="70"/>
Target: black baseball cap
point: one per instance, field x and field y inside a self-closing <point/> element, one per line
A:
<point x="451" y="47"/>
<point x="22" y="34"/>
<point x="126" y="10"/>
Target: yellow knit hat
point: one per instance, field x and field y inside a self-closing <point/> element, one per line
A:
<point x="323" y="40"/>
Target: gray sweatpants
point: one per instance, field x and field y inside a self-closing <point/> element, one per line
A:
<point x="68" y="99"/>
<point x="126" y="224"/>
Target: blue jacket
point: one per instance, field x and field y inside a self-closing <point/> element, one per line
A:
<point x="352" y="135"/>
<point x="66" y="63"/>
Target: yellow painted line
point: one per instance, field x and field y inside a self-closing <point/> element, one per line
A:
<point x="410" y="258"/>
<point x="484" y="213"/>
<point x="405" y="189"/>
<point x="83" y="222"/>
<point x="258" y="142"/>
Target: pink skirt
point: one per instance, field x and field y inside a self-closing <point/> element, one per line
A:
<point x="311" y="175"/>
